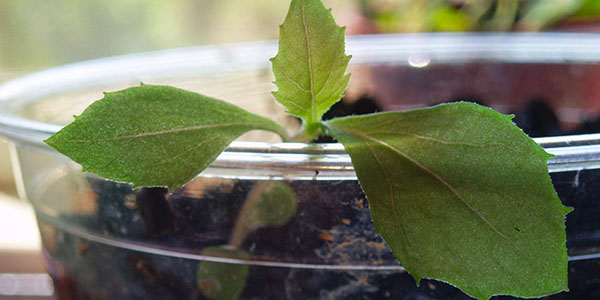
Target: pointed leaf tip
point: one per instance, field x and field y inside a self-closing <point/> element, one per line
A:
<point x="448" y="185"/>
<point x="310" y="65"/>
<point x="154" y="135"/>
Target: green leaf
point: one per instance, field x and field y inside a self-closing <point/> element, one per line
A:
<point x="222" y="281"/>
<point x="540" y="13"/>
<point x="310" y="65"/>
<point x="269" y="203"/>
<point x="154" y="135"/>
<point x="275" y="206"/>
<point x="445" y="17"/>
<point x="588" y="9"/>
<point x="461" y="195"/>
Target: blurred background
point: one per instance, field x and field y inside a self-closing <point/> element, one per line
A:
<point x="36" y="34"/>
<point x="40" y="34"/>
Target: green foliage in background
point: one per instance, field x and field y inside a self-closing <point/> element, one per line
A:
<point x="474" y="15"/>
<point x="37" y="34"/>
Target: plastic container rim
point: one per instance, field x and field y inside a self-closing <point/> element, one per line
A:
<point x="306" y="161"/>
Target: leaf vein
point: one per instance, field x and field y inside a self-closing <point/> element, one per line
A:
<point x="451" y="188"/>
<point x="431" y="139"/>
<point x="310" y="65"/>
<point x="332" y="67"/>
<point x="336" y="92"/>
<point x="195" y="146"/>
<point x="296" y="83"/>
<point x="160" y="132"/>
<point x="530" y="208"/>
<point x="298" y="106"/>
<point x="394" y="212"/>
<point x="293" y="50"/>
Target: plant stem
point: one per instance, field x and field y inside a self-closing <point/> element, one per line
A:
<point x="308" y="133"/>
<point x="241" y="228"/>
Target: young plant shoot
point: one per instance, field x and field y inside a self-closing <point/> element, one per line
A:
<point x="457" y="191"/>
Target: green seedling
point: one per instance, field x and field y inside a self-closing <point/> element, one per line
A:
<point x="221" y="281"/>
<point x="269" y="204"/>
<point x="458" y="192"/>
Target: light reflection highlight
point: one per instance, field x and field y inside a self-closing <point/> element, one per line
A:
<point x="418" y="61"/>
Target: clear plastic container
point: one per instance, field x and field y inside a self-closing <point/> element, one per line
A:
<point x="104" y="240"/>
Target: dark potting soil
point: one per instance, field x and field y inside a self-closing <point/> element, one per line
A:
<point x="351" y="239"/>
<point x="321" y="232"/>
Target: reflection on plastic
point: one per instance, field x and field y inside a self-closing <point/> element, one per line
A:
<point x="269" y="203"/>
<point x="418" y="61"/>
<point x="12" y="284"/>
